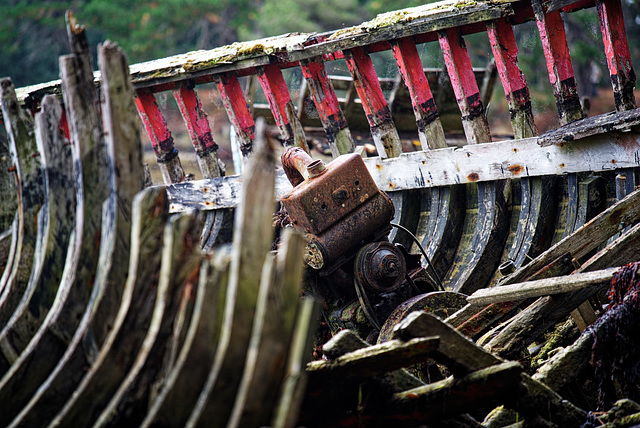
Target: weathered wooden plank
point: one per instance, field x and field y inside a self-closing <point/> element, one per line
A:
<point x="546" y="311"/>
<point x="443" y="167"/>
<point x="56" y="223"/>
<point x="374" y="360"/>
<point x="556" y="52"/>
<point x="491" y="386"/>
<point x="116" y="355"/>
<point x="430" y="130"/>
<point x="252" y="239"/>
<point x="6" y="247"/>
<point x="470" y="322"/>
<point x="125" y="153"/>
<point x="454" y="350"/>
<point x="541" y="287"/>
<point x="91" y="160"/>
<point x="616" y="48"/>
<point x="346" y="341"/>
<point x="160" y="136"/>
<point x="176" y="280"/>
<point x="235" y="104"/>
<point x="197" y="123"/>
<point x="485" y="230"/>
<point x="282" y="108"/>
<point x="291" y="394"/>
<point x="465" y="87"/>
<point x="424" y="19"/>
<point x="176" y="397"/>
<point x="30" y="193"/>
<point x="446" y="207"/>
<point x="505" y="51"/>
<point x="365" y="80"/>
<point x="270" y="340"/>
<point x="8" y="189"/>
<point x="586" y="238"/>
<point x="595" y="125"/>
<point x="327" y="106"/>
<point x="201" y="65"/>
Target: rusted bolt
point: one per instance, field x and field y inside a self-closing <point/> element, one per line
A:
<point x="316" y="168"/>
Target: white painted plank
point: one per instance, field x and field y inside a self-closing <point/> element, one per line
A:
<point x="444" y="167"/>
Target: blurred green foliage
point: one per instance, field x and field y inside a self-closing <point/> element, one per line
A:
<point x="32" y="32"/>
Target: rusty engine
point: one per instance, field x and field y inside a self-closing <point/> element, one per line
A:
<point x="356" y="272"/>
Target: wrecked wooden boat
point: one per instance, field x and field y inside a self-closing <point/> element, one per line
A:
<point x="127" y="303"/>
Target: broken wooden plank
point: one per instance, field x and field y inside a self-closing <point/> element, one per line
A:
<point x="595" y="125"/>
<point x="456" y="351"/>
<point x="541" y="287"/>
<point x="586" y="238"/>
<point x="483" y="388"/>
<point x="374" y="360"/>
<point x="547" y="311"/>
<point x="346" y="341"/>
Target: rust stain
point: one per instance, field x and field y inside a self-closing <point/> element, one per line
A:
<point x="516" y="169"/>
<point x="392" y="186"/>
<point x="207" y="203"/>
<point x="379" y="166"/>
<point x="613" y="161"/>
<point x="562" y="165"/>
<point x="205" y="190"/>
<point x="515" y="150"/>
<point x="473" y="177"/>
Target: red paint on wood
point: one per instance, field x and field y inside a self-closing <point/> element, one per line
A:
<point x="505" y="51"/>
<point x="460" y="71"/>
<point x="155" y="124"/>
<point x="408" y="60"/>
<point x="367" y="85"/>
<point x="276" y="91"/>
<point x="616" y="49"/>
<point x="195" y="119"/>
<point x="236" y="106"/>
<point x="64" y="125"/>
<point x="324" y="96"/>
<point x="554" y="44"/>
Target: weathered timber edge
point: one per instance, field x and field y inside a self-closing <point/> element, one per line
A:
<point x="445" y="167"/>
